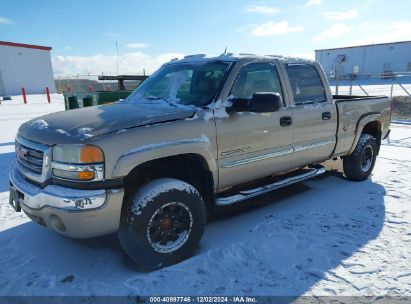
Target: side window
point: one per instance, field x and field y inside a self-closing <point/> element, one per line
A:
<point x="256" y="77"/>
<point x="305" y="83"/>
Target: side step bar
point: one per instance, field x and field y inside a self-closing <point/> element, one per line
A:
<point x="243" y="195"/>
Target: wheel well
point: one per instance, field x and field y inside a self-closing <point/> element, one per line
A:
<point x="373" y="128"/>
<point x="191" y="168"/>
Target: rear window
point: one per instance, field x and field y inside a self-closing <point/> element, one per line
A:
<point x="305" y="83"/>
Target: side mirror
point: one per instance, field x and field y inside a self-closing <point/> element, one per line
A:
<point x="265" y="102"/>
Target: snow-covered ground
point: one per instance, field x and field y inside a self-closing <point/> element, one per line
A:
<point x="326" y="236"/>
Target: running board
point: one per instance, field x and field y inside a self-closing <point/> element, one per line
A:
<point x="243" y="195"/>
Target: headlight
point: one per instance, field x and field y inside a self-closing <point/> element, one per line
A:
<point x="78" y="154"/>
<point x="78" y="162"/>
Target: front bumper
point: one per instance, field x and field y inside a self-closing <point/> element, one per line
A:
<point x="71" y="212"/>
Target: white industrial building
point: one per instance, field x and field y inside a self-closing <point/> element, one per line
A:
<point x="364" y="61"/>
<point x="25" y="65"/>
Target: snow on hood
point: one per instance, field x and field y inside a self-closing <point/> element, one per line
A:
<point x="82" y="124"/>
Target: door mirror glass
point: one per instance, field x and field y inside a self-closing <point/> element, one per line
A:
<point x="265" y="102"/>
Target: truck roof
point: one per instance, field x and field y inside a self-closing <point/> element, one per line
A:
<point x="230" y="57"/>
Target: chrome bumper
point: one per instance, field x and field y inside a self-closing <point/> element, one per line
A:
<point x="54" y="196"/>
<point x="71" y="212"/>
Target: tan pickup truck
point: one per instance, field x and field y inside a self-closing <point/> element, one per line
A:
<point x="199" y="133"/>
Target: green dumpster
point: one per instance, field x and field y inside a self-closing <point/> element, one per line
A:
<point x="72" y="103"/>
<point x="104" y="97"/>
<point x="87" y="101"/>
<point x="90" y="99"/>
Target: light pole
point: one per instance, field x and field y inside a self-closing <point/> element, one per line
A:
<point x="117" y="56"/>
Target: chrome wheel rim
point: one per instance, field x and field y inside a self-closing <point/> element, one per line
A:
<point x="169" y="227"/>
<point x="367" y="158"/>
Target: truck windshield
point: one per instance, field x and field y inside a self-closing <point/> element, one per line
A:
<point x="193" y="84"/>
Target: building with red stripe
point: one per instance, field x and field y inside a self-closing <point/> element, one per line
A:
<point x="25" y="65"/>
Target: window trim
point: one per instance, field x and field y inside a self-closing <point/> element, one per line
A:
<point x="320" y="78"/>
<point x="282" y="86"/>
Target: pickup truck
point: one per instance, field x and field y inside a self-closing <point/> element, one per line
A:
<point x="200" y="133"/>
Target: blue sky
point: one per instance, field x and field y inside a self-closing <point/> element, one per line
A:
<point x="83" y="33"/>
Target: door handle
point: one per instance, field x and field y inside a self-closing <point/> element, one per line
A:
<point x="326" y="115"/>
<point x="286" y="121"/>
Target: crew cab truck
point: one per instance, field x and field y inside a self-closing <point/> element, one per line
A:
<point x="201" y="132"/>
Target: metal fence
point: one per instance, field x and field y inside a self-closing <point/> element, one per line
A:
<point x="90" y="83"/>
<point x="393" y="84"/>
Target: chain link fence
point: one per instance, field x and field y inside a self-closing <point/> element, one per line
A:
<point x="90" y="83"/>
<point x="392" y="85"/>
<point x="395" y="85"/>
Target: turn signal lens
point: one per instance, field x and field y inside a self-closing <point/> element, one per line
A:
<point x="86" y="175"/>
<point x="91" y="154"/>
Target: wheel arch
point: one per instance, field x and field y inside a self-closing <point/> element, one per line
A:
<point x="368" y="124"/>
<point x="374" y="128"/>
<point x="190" y="167"/>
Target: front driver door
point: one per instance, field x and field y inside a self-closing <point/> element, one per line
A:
<point x="254" y="145"/>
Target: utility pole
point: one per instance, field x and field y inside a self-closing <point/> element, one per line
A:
<point x="117" y="56"/>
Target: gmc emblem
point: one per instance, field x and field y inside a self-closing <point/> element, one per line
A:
<point x="21" y="153"/>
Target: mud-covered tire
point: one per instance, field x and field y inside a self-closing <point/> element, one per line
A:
<point x="359" y="165"/>
<point x="155" y="214"/>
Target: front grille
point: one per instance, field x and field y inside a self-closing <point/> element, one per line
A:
<point x="30" y="159"/>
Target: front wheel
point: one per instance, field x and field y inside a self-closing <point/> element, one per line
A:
<point x="359" y="165"/>
<point x="162" y="223"/>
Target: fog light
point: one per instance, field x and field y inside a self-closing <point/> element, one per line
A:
<point x="57" y="223"/>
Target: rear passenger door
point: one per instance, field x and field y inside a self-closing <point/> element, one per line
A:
<point x="314" y="117"/>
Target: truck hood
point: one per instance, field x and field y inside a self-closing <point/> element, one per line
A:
<point x="81" y="124"/>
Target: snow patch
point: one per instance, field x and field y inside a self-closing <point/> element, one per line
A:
<point x="176" y="82"/>
<point x="158" y="102"/>
<point x="219" y="109"/>
<point x="83" y="133"/>
<point x="202" y="58"/>
<point x="312" y="106"/>
<point x="61" y="131"/>
<point x="195" y="116"/>
<point x="150" y="191"/>
<point x="40" y="124"/>
<point x="291" y="59"/>
<point x="208" y="115"/>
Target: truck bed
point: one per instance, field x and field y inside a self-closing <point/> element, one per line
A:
<point x="351" y="109"/>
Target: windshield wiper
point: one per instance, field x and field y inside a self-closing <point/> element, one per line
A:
<point x="152" y="97"/>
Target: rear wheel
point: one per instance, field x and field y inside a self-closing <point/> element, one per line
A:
<point x="359" y="165"/>
<point x="162" y="223"/>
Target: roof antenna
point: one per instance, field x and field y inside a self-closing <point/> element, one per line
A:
<point x="224" y="54"/>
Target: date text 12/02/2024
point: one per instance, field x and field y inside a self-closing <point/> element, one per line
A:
<point x="197" y="299"/>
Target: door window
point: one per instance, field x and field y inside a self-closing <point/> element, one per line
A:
<point x="305" y="83"/>
<point x="256" y="77"/>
